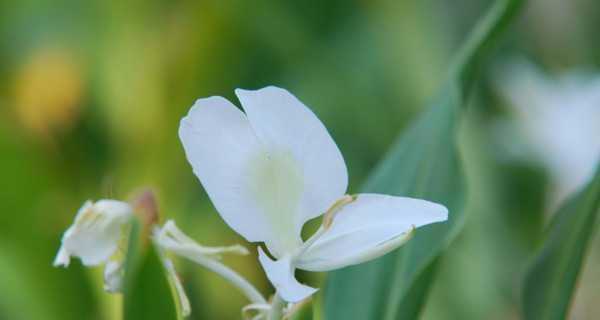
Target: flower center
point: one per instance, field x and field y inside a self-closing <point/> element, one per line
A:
<point x="277" y="185"/>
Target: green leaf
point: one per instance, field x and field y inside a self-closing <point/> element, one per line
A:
<point x="424" y="163"/>
<point x="550" y="282"/>
<point x="147" y="292"/>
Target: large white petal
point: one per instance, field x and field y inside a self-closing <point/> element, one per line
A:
<point x="264" y="187"/>
<point x="96" y="232"/>
<point x="219" y="143"/>
<point x="281" y="275"/>
<point x="286" y="126"/>
<point x="370" y="226"/>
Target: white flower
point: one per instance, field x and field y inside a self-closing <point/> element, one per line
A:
<point x="97" y="237"/>
<point x="274" y="167"/>
<point x="560" y="117"/>
<point x="170" y="239"/>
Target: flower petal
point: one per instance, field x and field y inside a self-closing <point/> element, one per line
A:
<point x="63" y="259"/>
<point x="171" y="238"/>
<point x="184" y="301"/>
<point x="560" y="119"/>
<point x="281" y="275"/>
<point x="113" y="276"/>
<point x="264" y="189"/>
<point x="370" y="226"/>
<point x="96" y="232"/>
<point x="237" y="173"/>
<point x="285" y="125"/>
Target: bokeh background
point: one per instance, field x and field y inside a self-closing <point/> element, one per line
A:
<point x="91" y="94"/>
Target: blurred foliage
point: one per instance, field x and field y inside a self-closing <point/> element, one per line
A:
<point x="91" y="94"/>
<point x="424" y="163"/>
<point x="145" y="280"/>
<point x="551" y="280"/>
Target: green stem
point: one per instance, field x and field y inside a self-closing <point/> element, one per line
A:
<point x="277" y="305"/>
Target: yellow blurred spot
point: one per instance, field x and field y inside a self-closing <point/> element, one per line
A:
<point x="48" y="92"/>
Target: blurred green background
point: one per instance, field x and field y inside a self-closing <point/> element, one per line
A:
<point x="91" y="94"/>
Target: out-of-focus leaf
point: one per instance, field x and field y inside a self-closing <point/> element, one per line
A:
<point x="26" y="288"/>
<point x="550" y="282"/>
<point x="424" y="163"/>
<point x="147" y="292"/>
<point x="30" y="231"/>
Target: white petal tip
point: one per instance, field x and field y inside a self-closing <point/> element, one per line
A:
<point x="298" y="293"/>
<point x="281" y="275"/>
<point x="443" y="213"/>
<point x="62" y="258"/>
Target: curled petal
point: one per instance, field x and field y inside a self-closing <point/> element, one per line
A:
<point x="366" y="228"/>
<point x="255" y="311"/>
<point x="96" y="233"/>
<point x="171" y="238"/>
<point x="281" y="275"/>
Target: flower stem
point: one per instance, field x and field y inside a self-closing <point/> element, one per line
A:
<point x="277" y="305"/>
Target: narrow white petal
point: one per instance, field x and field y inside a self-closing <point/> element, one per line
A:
<point x="171" y="238"/>
<point x="367" y="228"/>
<point x="256" y="311"/>
<point x="184" y="302"/>
<point x="96" y="232"/>
<point x="289" y="129"/>
<point x="281" y="275"/>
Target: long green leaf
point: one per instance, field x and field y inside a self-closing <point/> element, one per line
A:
<point x="550" y="282"/>
<point x="424" y="163"/>
<point x="147" y="292"/>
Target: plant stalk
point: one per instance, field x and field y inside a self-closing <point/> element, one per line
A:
<point x="277" y="305"/>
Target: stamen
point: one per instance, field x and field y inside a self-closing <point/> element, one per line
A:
<point x="335" y="208"/>
<point x="328" y="217"/>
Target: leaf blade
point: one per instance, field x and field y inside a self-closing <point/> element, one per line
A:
<point x="424" y="163"/>
<point x="147" y="293"/>
<point x="551" y="279"/>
